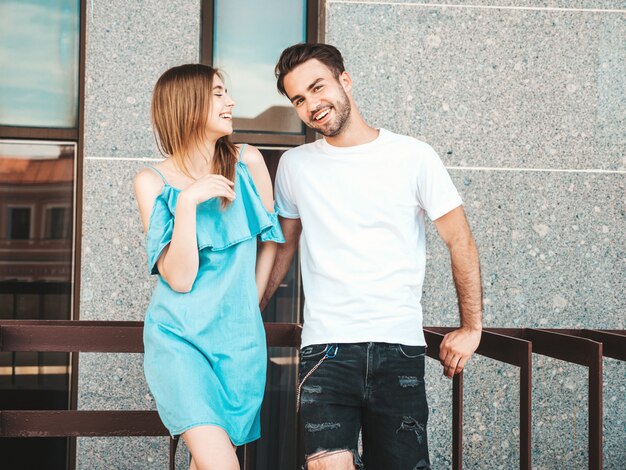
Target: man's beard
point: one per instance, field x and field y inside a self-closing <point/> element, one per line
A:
<point x="342" y="115"/>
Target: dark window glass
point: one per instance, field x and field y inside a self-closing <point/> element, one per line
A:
<point x="36" y="194"/>
<point x="248" y="39"/>
<point x="57" y="223"/>
<point x="39" y="78"/>
<point x="19" y="223"/>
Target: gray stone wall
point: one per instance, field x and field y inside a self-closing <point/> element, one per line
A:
<point x="526" y="107"/>
<point x="525" y="104"/>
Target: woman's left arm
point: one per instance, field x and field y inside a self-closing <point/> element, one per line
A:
<point x="267" y="250"/>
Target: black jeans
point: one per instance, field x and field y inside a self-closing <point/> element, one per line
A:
<point x="377" y="388"/>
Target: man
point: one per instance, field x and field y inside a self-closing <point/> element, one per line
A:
<point x="356" y="201"/>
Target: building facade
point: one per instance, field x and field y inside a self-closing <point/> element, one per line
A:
<point x="525" y="102"/>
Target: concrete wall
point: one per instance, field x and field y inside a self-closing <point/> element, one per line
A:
<point x="519" y="102"/>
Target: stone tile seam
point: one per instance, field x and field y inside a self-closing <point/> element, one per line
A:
<point x="471" y="168"/>
<point x="488" y="7"/>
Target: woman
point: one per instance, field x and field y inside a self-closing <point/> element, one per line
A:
<point x="203" y="209"/>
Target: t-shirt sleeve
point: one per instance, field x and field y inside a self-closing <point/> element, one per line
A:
<point x="285" y="201"/>
<point x="436" y="192"/>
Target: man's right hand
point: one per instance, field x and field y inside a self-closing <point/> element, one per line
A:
<point x="457" y="348"/>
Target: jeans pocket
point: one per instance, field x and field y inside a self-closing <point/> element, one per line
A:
<point x="411" y="352"/>
<point x="313" y="351"/>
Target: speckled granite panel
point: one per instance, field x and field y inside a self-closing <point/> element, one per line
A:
<point x="560" y="414"/>
<point x="569" y="4"/>
<point x="491" y="414"/>
<point x="552" y="248"/>
<point x="122" y="453"/>
<point x="120" y="384"/>
<point x="439" y="396"/>
<point x="614" y="416"/>
<point x="129" y="45"/>
<point x="115" y="285"/>
<point x="129" y="453"/>
<point x="492" y="87"/>
<point x="491" y="410"/>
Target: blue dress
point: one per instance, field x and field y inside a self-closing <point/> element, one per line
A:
<point x="205" y="350"/>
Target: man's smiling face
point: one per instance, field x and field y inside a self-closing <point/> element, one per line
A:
<point x="319" y="97"/>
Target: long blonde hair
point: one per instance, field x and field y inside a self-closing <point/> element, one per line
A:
<point x="180" y="108"/>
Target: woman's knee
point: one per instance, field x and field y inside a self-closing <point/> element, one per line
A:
<point x="331" y="460"/>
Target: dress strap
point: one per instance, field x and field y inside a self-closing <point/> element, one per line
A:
<point x="241" y="150"/>
<point x="158" y="173"/>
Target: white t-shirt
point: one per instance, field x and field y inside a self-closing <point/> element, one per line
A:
<point x="362" y="245"/>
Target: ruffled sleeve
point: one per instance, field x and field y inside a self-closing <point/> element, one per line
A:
<point x="244" y="219"/>
<point x="273" y="233"/>
<point x="160" y="229"/>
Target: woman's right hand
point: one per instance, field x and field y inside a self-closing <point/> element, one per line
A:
<point x="208" y="187"/>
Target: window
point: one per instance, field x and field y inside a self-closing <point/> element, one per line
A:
<point x="39" y="79"/>
<point x="57" y="223"/>
<point x="18" y="226"/>
<point x="36" y="204"/>
<point x="42" y="51"/>
<point x="261" y="116"/>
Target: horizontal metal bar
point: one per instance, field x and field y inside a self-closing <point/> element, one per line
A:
<point x="615" y="332"/>
<point x="44" y="338"/>
<point x="613" y="344"/>
<point x="433" y="341"/>
<point x="114" y="337"/>
<point x="80" y="423"/>
<point x="505" y="348"/>
<point x="513" y="332"/>
<point x="581" y="351"/>
<point x="124" y="324"/>
<point x="283" y="334"/>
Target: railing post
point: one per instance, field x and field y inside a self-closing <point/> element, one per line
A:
<point x="595" y="411"/>
<point x="173" y="445"/>
<point x="457" y="421"/>
<point x="525" y="413"/>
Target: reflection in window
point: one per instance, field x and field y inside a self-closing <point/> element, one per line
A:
<point x="39" y="49"/>
<point x="36" y="203"/>
<point x="57" y="223"/>
<point x="18" y="222"/>
<point x="248" y="39"/>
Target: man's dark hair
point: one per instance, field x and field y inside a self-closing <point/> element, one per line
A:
<point x="300" y="53"/>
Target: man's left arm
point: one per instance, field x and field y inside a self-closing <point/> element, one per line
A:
<point x="458" y="346"/>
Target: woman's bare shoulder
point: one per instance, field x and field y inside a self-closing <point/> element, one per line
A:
<point x="251" y="156"/>
<point x="148" y="181"/>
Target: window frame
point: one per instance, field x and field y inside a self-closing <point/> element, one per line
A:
<point x="207" y="15"/>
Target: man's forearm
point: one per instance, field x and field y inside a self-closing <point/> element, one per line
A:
<point x="282" y="262"/>
<point x="468" y="284"/>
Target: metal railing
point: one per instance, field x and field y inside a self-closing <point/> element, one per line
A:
<point x="513" y="346"/>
